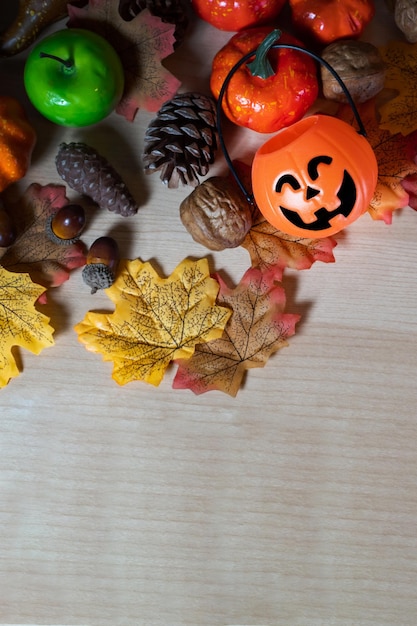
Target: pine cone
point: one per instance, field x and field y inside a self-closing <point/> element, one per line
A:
<point x="169" y="11"/>
<point x="88" y="173"/>
<point x="182" y="140"/>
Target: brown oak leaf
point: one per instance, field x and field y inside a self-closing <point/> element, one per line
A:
<point x="257" y="328"/>
<point x="141" y="43"/>
<point x="394" y="155"/>
<point x="46" y="262"/>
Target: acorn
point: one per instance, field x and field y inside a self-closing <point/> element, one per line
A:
<point x="101" y="264"/>
<point x="7" y="229"/>
<point x="66" y="225"/>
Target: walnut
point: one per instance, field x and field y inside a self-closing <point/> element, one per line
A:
<point x="216" y="214"/>
<point x="405" y="15"/>
<point x="358" y="64"/>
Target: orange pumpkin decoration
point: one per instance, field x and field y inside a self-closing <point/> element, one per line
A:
<point x="330" y="20"/>
<point x="17" y="140"/>
<point x="315" y="177"/>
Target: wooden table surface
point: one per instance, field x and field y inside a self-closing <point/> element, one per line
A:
<point x="293" y="504"/>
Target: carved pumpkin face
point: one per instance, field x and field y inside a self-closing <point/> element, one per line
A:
<point x="315" y="177"/>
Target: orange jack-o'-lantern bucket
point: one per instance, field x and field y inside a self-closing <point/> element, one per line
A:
<point x="315" y="177"/>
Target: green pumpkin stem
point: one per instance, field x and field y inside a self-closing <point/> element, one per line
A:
<point x="261" y="66"/>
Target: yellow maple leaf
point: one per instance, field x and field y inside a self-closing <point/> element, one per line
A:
<point x="20" y="322"/>
<point x="156" y="320"/>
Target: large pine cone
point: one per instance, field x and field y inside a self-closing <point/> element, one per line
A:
<point x="89" y="173"/>
<point x="182" y="140"/>
<point x="169" y="11"/>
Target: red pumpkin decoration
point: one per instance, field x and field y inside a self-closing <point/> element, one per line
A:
<point x="329" y="20"/>
<point x="234" y="15"/>
<point x="315" y="177"/>
<point x="255" y="100"/>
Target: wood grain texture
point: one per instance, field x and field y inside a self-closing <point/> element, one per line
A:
<point x="293" y="504"/>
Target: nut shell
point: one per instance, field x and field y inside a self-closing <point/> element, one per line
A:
<point x="216" y="214"/>
<point x="104" y="250"/>
<point x="359" y="65"/>
<point x="405" y="16"/>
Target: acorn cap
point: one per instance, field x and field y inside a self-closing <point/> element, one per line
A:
<point x="98" y="276"/>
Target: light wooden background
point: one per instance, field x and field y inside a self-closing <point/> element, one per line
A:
<point x="293" y="504"/>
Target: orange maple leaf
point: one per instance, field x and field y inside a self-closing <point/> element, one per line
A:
<point x="399" y="114"/>
<point x="394" y="155"/>
<point x="141" y="43"/>
<point x="257" y="328"/>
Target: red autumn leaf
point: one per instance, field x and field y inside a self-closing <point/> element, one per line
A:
<point x="394" y="154"/>
<point x="257" y="328"/>
<point x="141" y="43"/>
<point x="46" y="262"/>
<point x="409" y="185"/>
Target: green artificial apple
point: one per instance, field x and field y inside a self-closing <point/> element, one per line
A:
<point x="74" y="77"/>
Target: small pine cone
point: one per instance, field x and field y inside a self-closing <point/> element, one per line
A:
<point x="169" y="11"/>
<point x="89" y="173"/>
<point x="182" y="140"/>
